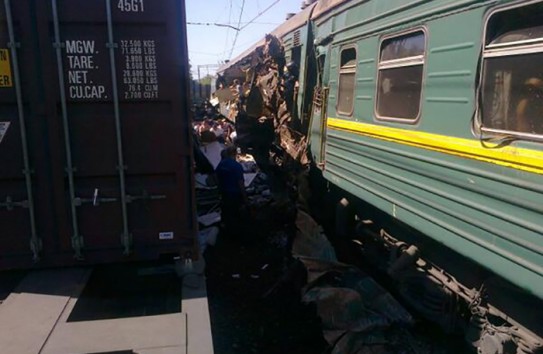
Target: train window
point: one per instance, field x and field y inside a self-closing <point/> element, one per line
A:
<point x="512" y="83"/>
<point x="347" y="73"/>
<point x="399" y="86"/>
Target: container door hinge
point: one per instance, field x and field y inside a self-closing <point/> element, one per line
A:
<point x="70" y="170"/>
<point x="14" y="45"/>
<point x="145" y="196"/>
<point x="36" y="246"/>
<point x="95" y="200"/>
<point x="78" y="244"/>
<point x="9" y="204"/>
<point x="126" y="240"/>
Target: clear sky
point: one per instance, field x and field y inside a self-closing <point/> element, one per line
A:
<point x="210" y="44"/>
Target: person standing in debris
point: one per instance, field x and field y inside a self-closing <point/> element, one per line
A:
<point x="232" y="188"/>
<point x="290" y="84"/>
<point x="236" y="87"/>
<point x="218" y="130"/>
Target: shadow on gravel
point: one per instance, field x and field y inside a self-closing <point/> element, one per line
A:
<point x="253" y="307"/>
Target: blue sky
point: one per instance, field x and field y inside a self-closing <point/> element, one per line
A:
<point x="209" y="44"/>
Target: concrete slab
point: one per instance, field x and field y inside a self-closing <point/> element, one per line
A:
<point x="170" y="350"/>
<point x="195" y="305"/>
<point x="152" y="333"/>
<point x="30" y="313"/>
<point x="34" y="320"/>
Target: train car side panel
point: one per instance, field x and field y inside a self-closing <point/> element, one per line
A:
<point x="429" y="170"/>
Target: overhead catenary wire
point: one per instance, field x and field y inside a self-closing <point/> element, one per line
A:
<point x="222" y="53"/>
<point x="223" y="12"/>
<point x="213" y="24"/>
<point x="231" y="24"/>
<point x="206" y="53"/>
<point x="237" y="32"/>
<point x="259" y="14"/>
<point x="227" y="37"/>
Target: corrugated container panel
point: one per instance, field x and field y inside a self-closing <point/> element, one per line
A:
<point x="101" y="90"/>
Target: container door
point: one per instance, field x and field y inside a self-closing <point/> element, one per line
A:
<point x="121" y="111"/>
<point x="20" y="135"/>
<point x="94" y="132"/>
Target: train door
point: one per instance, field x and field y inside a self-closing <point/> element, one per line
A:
<point x="319" y="113"/>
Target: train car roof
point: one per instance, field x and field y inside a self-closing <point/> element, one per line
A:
<point x="296" y="21"/>
<point x="323" y="6"/>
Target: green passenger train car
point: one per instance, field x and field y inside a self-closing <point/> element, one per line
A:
<point x="431" y="111"/>
<point x="434" y="114"/>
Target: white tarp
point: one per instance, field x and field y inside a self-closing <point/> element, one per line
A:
<point x="213" y="152"/>
<point x="210" y="219"/>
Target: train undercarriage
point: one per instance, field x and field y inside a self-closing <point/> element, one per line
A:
<point x="439" y="284"/>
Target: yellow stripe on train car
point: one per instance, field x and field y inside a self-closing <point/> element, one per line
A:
<point x="510" y="156"/>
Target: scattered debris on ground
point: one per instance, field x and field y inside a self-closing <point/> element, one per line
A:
<point x="277" y="285"/>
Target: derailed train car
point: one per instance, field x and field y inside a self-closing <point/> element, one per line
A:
<point x="427" y="117"/>
<point x="94" y="132"/>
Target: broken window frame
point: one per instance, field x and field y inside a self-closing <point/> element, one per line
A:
<point x="508" y="49"/>
<point x="403" y="62"/>
<point x="348" y="68"/>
